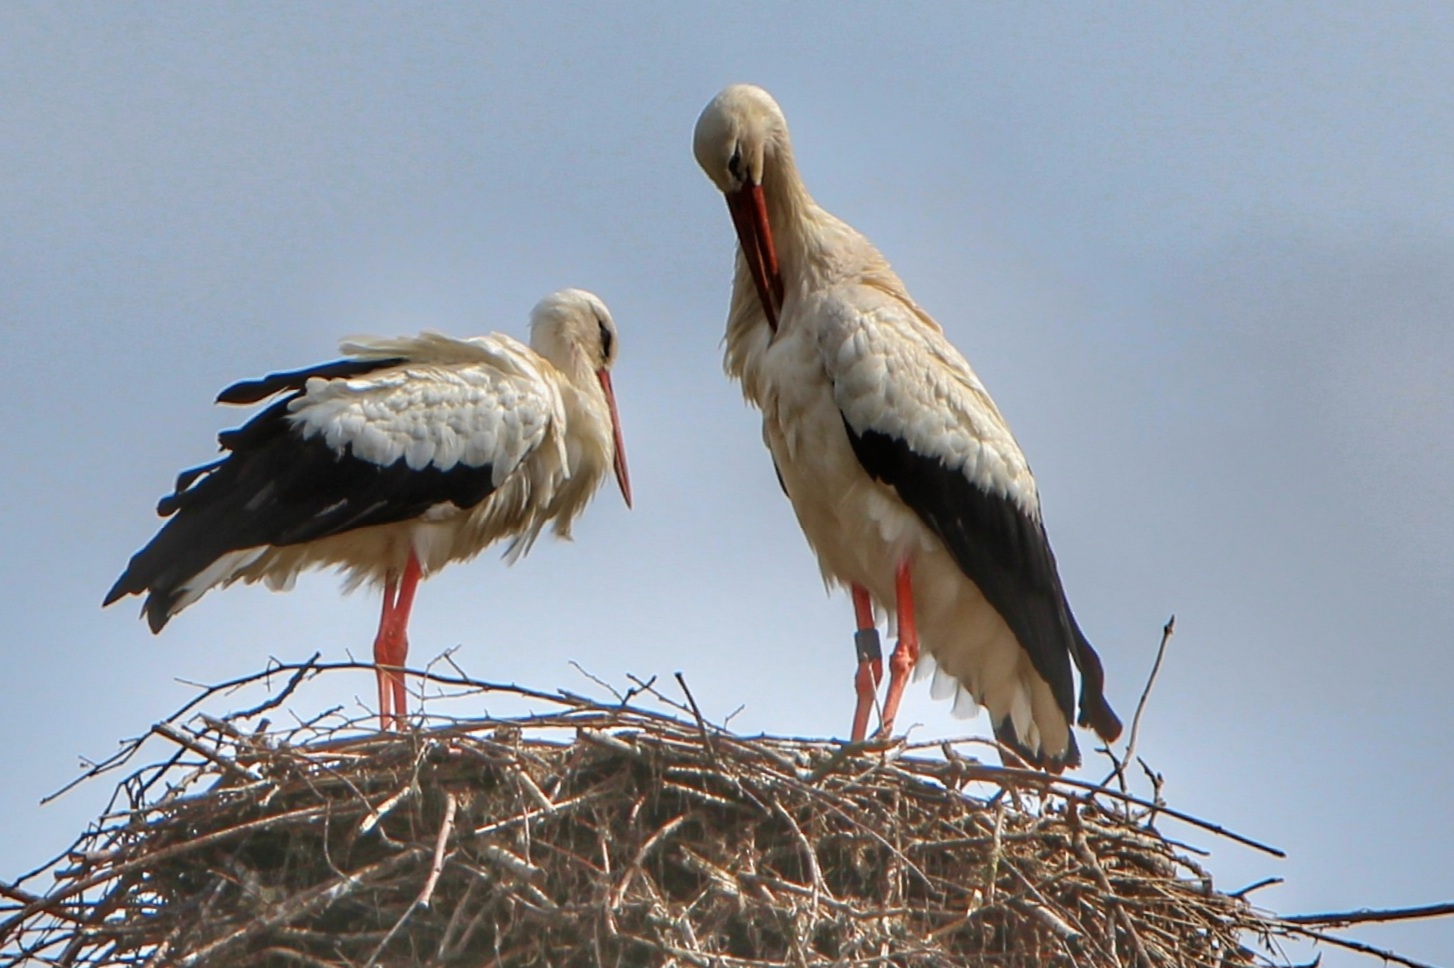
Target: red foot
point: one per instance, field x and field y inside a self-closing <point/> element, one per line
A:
<point x="906" y="653"/>
<point x="865" y="683"/>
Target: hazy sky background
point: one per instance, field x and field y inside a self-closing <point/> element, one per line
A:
<point x="1203" y="256"/>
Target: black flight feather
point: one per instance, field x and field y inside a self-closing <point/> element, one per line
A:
<point x="274" y="487"/>
<point x="251" y="391"/>
<point x="1006" y="553"/>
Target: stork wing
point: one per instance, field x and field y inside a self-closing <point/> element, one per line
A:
<point x="391" y="444"/>
<point x="921" y="422"/>
<point x="355" y="447"/>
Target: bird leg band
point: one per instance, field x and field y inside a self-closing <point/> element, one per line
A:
<point x="866" y="644"/>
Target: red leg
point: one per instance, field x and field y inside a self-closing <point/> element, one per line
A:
<point x="407" y="586"/>
<point x="870" y="662"/>
<point x="391" y="645"/>
<point x="381" y="656"/>
<point x="906" y="653"/>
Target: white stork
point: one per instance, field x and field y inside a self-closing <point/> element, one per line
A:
<point x="409" y="454"/>
<point x="906" y="480"/>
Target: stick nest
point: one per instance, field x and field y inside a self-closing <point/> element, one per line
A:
<point x="590" y="834"/>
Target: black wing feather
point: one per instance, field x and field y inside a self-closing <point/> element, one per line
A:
<point x="1006" y="553"/>
<point x="274" y="487"/>
<point x="252" y="391"/>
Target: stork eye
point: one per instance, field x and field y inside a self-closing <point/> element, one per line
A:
<point x="605" y="339"/>
<point x="734" y="164"/>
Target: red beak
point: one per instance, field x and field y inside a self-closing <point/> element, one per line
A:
<point x="749" y="216"/>
<point x="622" y="477"/>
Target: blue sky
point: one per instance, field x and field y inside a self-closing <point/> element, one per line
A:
<point x="1203" y="256"/>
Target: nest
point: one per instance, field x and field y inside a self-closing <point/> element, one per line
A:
<point x="611" y="834"/>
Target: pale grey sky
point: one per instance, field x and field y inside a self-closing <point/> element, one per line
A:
<point x="1203" y="256"/>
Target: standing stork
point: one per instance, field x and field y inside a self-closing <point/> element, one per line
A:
<point x="905" y="479"/>
<point x="409" y="454"/>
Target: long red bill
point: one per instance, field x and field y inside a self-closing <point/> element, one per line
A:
<point x="622" y="477"/>
<point x="748" y="207"/>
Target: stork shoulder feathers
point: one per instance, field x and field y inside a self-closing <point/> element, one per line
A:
<point x="478" y="403"/>
<point x="893" y="374"/>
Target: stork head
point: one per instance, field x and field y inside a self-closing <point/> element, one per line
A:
<point x="738" y="135"/>
<point x="573" y="329"/>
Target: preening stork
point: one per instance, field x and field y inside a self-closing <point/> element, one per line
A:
<point x="407" y="455"/>
<point x="906" y="480"/>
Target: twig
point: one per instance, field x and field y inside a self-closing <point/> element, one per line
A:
<point x="446" y="829"/>
<point x="809" y="854"/>
<point x="603" y="684"/>
<point x="1365" y="915"/>
<point x="512" y="863"/>
<point x="300" y="673"/>
<point x="1255" y="886"/>
<point x="1035" y="778"/>
<point x="1166" y="632"/>
<point x="522" y="776"/>
<point x="227" y="766"/>
<point x="701" y="723"/>
<point x="1361" y="948"/>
